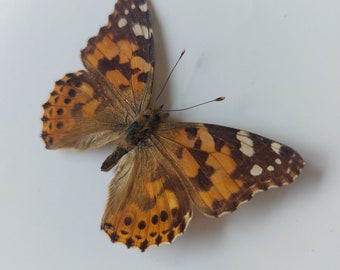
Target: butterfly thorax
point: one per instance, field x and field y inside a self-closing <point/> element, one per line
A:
<point x="136" y="134"/>
<point x="145" y="124"/>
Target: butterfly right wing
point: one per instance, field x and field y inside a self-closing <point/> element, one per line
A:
<point x="224" y="167"/>
<point x="81" y="114"/>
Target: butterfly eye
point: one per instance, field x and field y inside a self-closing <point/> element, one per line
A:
<point x="147" y="115"/>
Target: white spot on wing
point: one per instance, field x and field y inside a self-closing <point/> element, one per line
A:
<point x="247" y="150"/>
<point x="276" y="147"/>
<point x="141" y="30"/>
<point x="256" y="170"/>
<point x="122" y="22"/>
<point x="143" y="7"/>
<point x="133" y="6"/>
<point x="270" y="168"/>
<point x="246" y="143"/>
<point x="126" y="11"/>
<point x="278" y="161"/>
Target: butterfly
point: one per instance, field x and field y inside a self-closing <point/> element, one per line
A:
<point x="163" y="168"/>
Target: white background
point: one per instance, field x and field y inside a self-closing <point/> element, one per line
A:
<point x="277" y="63"/>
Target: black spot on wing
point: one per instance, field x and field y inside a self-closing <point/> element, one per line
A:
<point x="191" y="133"/>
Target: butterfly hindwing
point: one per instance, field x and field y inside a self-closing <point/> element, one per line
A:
<point x="225" y="167"/>
<point x="147" y="203"/>
<point x="78" y="114"/>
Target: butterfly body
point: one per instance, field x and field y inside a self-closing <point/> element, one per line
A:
<point x="135" y="135"/>
<point x="163" y="168"/>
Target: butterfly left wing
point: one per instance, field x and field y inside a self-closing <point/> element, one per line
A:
<point x="89" y="109"/>
<point x="80" y="114"/>
<point x="122" y="54"/>
<point x="224" y="167"/>
<point x="147" y="203"/>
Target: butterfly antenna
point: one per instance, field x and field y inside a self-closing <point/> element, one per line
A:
<point x="167" y="80"/>
<point x="194" y="106"/>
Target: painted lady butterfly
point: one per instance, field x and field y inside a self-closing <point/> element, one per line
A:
<point x="162" y="167"/>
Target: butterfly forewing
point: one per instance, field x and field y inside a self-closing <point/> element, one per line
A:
<point x="121" y="55"/>
<point x="225" y="167"/>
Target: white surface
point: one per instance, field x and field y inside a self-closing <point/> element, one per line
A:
<point x="277" y="62"/>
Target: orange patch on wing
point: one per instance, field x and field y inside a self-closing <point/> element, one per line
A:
<point x="126" y="50"/>
<point x="140" y="63"/>
<point x="221" y="178"/>
<point x="88" y="89"/>
<point x="117" y="78"/>
<point x="90" y="108"/>
<point x="183" y="139"/>
<point x="144" y="67"/>
<point x="137" y="85"/>
<point x="239" y="182"/>
<point x="225" y="150"/>
<point x="208" y="143"/>
<point x="94" y="58"/>
<point x="171" y="199"/>
<point x="228" y="164"/>
<point x="153" y="188"/>
<point x="189" y="164"/>
<point x="108" y="48"/>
